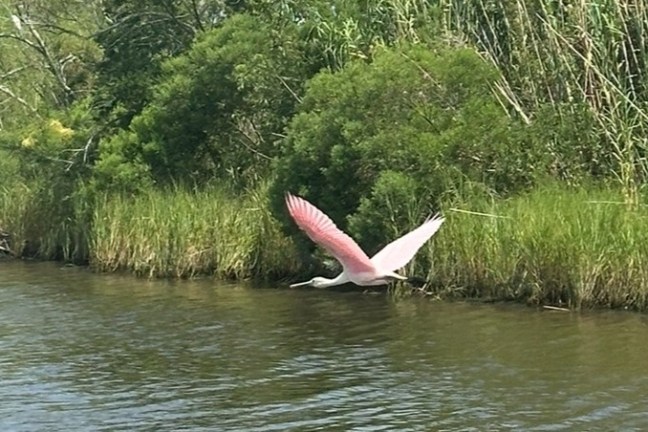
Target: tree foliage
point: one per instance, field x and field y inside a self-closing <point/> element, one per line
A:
<point x="219" y="109"/>
<point x="335" y="32"/>
<point x="416" y="121"/>
<point x="138" y="37"/>
<point x="46" y="56"/>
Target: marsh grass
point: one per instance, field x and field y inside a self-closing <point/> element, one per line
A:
<point x="590" y="53"/>
<point x="555" y="245"/>
<point x="46" y="222"/>
<point x="558" y="246"/>
<point x="184" y="233"/>
<point x="14" y="201"/>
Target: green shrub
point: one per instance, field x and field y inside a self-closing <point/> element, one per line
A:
<point x="47" y="205"/>
<point x="418" y="120"/>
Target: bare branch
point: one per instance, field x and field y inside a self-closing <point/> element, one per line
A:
<point x="245" y="127"/>
<point x="54" y="66"/>
<point x="196" y="14"/>
<point x="290" y="90"/>
<point x="17" y="98"/>
<point x="20" y="39"/>
<point x="51" y="26"/>
<point x="12" y="72"/>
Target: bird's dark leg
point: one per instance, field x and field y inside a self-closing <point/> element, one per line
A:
<point x="416" y="281"/>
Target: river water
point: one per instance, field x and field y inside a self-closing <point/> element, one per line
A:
<point x="80" y="351"/>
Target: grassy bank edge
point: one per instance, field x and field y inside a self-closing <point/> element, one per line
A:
<point x="555" y="245"/>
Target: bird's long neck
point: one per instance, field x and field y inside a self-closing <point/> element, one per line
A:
<point x="338" y="280"/>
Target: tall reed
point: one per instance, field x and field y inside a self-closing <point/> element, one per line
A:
<point x="559" y="53"/>
<point x="46" y="222"/>
<point x="183" y="233"/>
<point x="14" y="200"/>
<point x="572" y="247"/>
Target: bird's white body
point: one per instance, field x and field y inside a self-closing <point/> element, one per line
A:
<point x="357" y="266"/>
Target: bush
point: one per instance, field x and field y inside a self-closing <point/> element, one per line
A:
<point x="416" y="122"/>
<point x="574" y="149"/>
<point x="47" y="206"/>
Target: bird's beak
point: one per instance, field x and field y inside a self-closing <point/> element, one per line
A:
<point x="300" y="284"/>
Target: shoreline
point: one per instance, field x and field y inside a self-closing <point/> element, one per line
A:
<point x="555" y="246"/>
<point x="400" y="291"/>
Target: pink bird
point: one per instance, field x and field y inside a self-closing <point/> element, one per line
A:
<point x="357" y="266"/>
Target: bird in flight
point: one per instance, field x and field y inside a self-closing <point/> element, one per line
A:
<point x="357" y="266"/>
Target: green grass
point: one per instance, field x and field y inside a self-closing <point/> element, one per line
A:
<point x="183" y="233"/>
<point x="14" y="200"/>
<point x="563" y="55"/>
<point x="574" y="247"/>
<point x="45" y="222"/>
<point x="570" y="247"/>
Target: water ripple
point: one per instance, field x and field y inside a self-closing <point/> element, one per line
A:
<point x="86" y="352"/>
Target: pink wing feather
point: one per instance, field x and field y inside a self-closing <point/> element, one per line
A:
<point x="401" y="251"/>
<point x="323" y="231"/>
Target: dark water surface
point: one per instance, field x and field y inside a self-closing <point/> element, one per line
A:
<point x="80" y="351"/>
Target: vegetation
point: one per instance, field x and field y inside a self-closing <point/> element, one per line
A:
<point x="159" y="137"/>
<point x="576" y="247"/>
<point x="182" y="233"/>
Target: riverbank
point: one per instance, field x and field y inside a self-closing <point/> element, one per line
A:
<point x="566" y="247"/>
<point x="577" y="248"/>
<point x="184" y="233"/>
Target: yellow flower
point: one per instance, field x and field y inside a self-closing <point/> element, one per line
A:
<point x="28" y="142"/>
<point x="58" y="128"/>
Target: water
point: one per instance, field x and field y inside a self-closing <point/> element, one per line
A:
<point x="79" y="351"/>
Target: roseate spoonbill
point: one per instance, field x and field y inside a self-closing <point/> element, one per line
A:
<point x="357" y="267"/>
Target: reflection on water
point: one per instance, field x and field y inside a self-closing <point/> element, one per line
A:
<point x="80" y="351"/>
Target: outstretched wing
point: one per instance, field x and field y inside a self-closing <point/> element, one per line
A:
<point x="401" y="251"/>
<point x="321" y="229"/>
